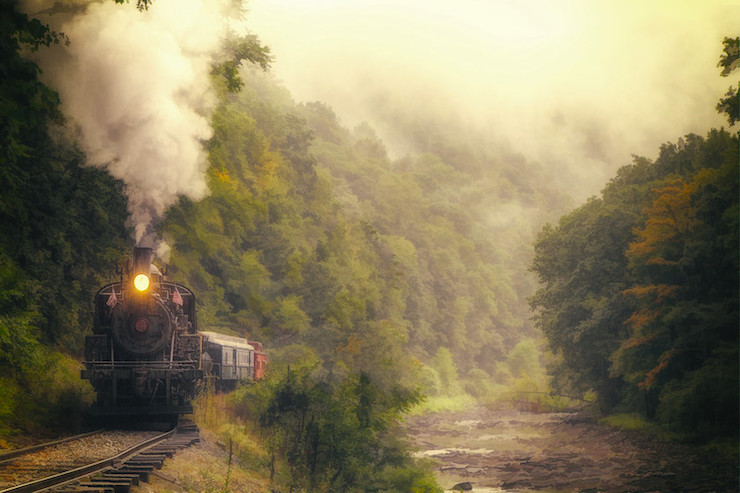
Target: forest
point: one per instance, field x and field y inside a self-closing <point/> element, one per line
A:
<point x="376" y="282"/>
<point x="638" y="293"/>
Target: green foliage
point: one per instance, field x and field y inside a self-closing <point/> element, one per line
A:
<point x="430" y="381"/>
<point x="730" y="104"/>
<point x="581" y="268"/>
<point x="44" y="394"/>
<point x="289" y="316"/>
<point x="630" y="421"/>
<point x="639" y="295"/>
<point x="430" y="217"/>
<point x="479" y="384"/>
<point x="501" y="374"/>
<point x="27" y="104"/>
<point x="62" y="224"/>
<point x="334" y="435"/>
<point x="523" y="360"/>
<point x="140" y="4"/>
<point x="236" y="51"/>
<point x="446" y="369"/>
<point x="62" y="231"/>
<point x="703" y="402"/>
<point x="441" y="403"/>
<point x="345" y="262"/>
<point x="18" y="333"/>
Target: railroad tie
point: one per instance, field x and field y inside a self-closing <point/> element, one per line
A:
<point x="153" y="463"/>
<point x="155" y="455"/>
<point x="142" y="471"/>
<point x="117" y="486"/>
<point x="85" y="489"/>
<point x="123" y="476"/>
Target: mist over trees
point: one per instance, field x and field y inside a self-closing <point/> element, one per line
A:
<point x="313" y="235"/>
<point x="639" y="287"/>
<point x="352" y="264"/>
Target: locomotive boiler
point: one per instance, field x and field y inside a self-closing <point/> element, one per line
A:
<point x="144" y="357"/>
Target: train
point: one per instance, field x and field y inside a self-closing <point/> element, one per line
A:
<point x="146" y="356"/>
<point x="229" y="360"/>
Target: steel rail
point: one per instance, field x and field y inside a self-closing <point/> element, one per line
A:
<point x="6" y="456"/>
<point x="72" y="474"/>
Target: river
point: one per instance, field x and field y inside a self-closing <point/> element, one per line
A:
<point x="509" y="450"/>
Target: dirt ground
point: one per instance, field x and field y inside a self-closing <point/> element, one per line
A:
<point x="510" y="450"/>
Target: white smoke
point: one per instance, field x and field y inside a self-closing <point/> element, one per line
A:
<point x="137" y="86"/>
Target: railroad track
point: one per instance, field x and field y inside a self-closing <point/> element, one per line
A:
<point x="97" y="462"/>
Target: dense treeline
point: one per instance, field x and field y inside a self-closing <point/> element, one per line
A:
<point x="62" y="232"/>
<point x="272" y="255"/>
<point x="639" y="295"/>
<point x="347" y="264"/>
<point x="312" y="233"/>
<point x="436" y="211"/>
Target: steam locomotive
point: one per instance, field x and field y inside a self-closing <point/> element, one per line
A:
<point x="146" y="355"/>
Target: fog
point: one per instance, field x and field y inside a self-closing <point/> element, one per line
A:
<point x="576" y="85"/>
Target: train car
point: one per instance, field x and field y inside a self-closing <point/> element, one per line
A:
<point x="229" y="359"/>
<point x="260" y="360"/>
<point x="144" y="357"/>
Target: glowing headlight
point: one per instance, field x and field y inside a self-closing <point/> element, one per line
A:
<point x="141" y="282"/>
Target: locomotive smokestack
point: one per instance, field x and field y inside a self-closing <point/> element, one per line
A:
<point x="142" y="260"/>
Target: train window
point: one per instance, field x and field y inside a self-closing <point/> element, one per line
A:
<point x="243" y="358"/>
<point x="226" y="356"/>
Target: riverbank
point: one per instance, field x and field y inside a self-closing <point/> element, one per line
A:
<point x="509" y="450"/>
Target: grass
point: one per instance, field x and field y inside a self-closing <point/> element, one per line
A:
<point x="211" y="467"/>
<point x="205" y="469"/>
<point x="636" y="422"/>
<point x="498" y="396"/>
<point x="441" y="403"/>
<point x="631" y="421"/>
<point x="721" y="447"/>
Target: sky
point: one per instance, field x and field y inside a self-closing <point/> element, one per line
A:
<point x="578" y="86"/>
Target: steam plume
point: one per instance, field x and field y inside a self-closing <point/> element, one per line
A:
<point x="136" y="84"/>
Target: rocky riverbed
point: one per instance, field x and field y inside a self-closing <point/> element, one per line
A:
<point x="508" y="450"/>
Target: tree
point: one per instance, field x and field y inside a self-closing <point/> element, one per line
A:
<point x="684" y="328"/>
<point x="62" y="233"/>
<point x="580" y="308"/>
<point x="730" y="104"/>
<point x="335" y="435"/>
<point x="61" y="223"/>
<point x="27" y="104"/>
<point x="639" y="294"/>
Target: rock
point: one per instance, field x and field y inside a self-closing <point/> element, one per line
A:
<point x="466" y="486"/>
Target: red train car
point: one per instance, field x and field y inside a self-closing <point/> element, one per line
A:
<point x="260" y="360"/>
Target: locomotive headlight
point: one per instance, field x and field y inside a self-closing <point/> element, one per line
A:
<point x="141" y="282"/>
